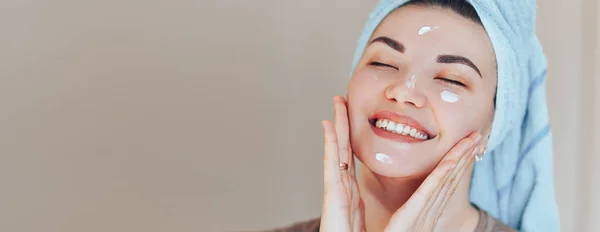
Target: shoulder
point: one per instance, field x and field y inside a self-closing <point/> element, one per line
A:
<point x="311" y="225"/>
<point x="487" y="223"/>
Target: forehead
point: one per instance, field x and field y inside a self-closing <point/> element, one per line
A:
<point x="450" y="33"/>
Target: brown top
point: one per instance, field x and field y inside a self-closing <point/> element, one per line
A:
<point x="486" y="224"/>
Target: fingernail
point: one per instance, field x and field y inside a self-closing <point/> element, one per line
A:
<point x="477" y="138"/>
<point x="475" y="151"/>
<point x="336" y="99"/>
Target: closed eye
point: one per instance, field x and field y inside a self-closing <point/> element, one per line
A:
<point x="378" y="64"/>
<point x="453" y="82"/>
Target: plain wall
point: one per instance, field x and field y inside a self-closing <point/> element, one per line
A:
<point x="204" y="115"/>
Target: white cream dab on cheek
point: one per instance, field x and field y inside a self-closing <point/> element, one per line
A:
<point x="425" y="29"/>
<point x="448" y="96"/>
<point x="386" y="159"/>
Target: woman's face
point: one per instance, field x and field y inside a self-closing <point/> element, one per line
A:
<point x="426" y="80"/>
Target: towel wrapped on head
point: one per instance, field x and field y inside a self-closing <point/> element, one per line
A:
<point x="514" y="182"/>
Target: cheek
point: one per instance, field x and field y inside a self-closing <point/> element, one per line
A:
<point x="367" y="88"/>
<point x="368" y="81"/>
<point x="457" y="114"/>
<point x="449" y="96"/>
<point x="365" y="92"/>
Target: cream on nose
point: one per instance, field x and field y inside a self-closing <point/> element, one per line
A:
<point x="406" y="92"/>
<point x="411" y="82"/>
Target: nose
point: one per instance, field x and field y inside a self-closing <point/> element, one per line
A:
<point x="406" y="92"/>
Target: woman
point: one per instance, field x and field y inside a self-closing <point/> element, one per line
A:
<point x="420" y="109"/>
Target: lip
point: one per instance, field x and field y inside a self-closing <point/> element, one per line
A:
<point x="406" y="120"/>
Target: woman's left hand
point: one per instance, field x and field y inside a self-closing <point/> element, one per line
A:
<point x="423" y="209"/>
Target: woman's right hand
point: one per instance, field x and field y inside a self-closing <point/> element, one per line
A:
<point x="342" y="207"/>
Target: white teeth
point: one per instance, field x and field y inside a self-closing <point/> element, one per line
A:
<point x="406" y="130"/>
<point x="399" y="128"/>
<point x="391" y="126"/>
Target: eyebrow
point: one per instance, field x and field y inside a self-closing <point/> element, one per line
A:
<point x="450" y="59"/>
<point x="444" y="59"/>
<point x="389" y="42"/>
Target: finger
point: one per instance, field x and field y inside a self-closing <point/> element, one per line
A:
<point x="358" y="217"/>
<point x="469" y="163"/>
<point x="455" y="155"/>
<point x="331" y="160"/>
<point x="420" y="203"/>
<point x="464" y="150"/>
<point x="411" y="210"/>
<point x="342" y="129"/>
<point x="433" y="198"/>
<point x="423" y="200"/>
<point x="340" y="117"/>
<point x="334" y="207"/>
<point x="458" y="155"/>
<point x="462" y="147"/>
<point x="356" y="206"/>
<point x="449" y="187"/>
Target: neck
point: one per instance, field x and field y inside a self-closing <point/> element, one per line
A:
<point x="383" y="196"/>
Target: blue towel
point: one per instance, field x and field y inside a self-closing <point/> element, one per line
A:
<point x="514" y="181"/>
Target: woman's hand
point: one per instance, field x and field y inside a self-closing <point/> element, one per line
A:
<point x="342" y="207"/>
<point x="421" y="212"/>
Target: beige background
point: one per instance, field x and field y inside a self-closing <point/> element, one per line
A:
<point x="204" y="115"/>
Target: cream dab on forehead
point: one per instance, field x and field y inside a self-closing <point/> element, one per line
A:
<point x="426" y="29"/>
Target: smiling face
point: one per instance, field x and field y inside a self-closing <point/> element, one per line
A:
<point x="425" y="81"/>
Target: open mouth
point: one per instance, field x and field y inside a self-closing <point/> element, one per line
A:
<point x="399" y="128"/>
